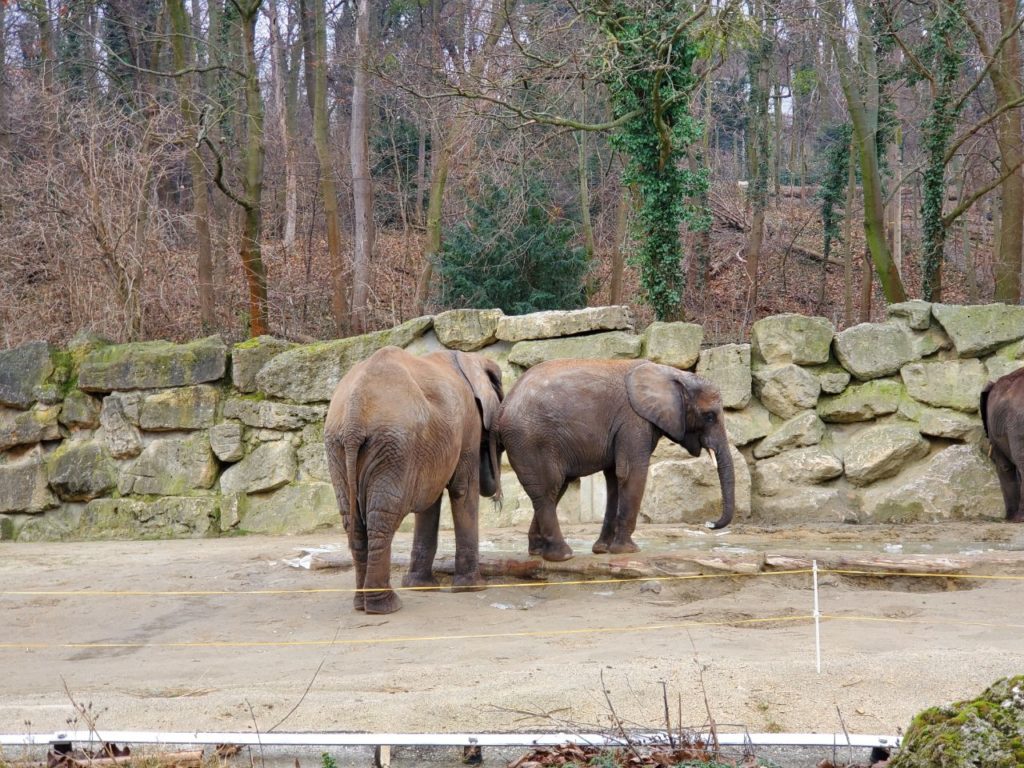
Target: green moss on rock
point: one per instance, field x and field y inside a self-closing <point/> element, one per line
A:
<point x="987" y="731"/>
<point x="153" y="365"/>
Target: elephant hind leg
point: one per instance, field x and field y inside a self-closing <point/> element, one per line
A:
<point x="424" y="548"/>
<point x="631" y="483"/>
<point x="358" y="545"/>
<point x="1009" y="483"/>
<point x="545" y="534"/>
<point x="378" y="596"/>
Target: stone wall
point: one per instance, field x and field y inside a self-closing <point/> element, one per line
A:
<point x="875" y="423"/>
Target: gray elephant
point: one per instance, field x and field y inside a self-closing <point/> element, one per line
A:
<point x="1002" y="414"/>
<point x="564" y="419"/>
<point x="400" y="430"/>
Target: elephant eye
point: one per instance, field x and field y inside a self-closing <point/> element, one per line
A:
<point x="709" y="417"/>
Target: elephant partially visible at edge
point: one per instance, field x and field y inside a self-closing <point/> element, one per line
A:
<point x="1002" y="415"/>
<point x="399" y="431"/>
<point x="564" y="419"/>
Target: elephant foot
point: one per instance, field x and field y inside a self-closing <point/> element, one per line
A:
<point x="600" y="547"/>
<point x="1015" y="518"/>
<point x="382" y="602"/>
<point x="471" y="582"/>
<point x="556" y="551"/>
<point x="623" y="547"/>
<point x="419" y="580"/>
<point x="359" y="601"/>
<point x="536" y="546"/>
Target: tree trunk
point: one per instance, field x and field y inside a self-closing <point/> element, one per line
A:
<point x="851" y="186"/>
<point x="619" y="250"/>
<point x="584" y="187"/>
<point x="362" y="184"/>
<point x="281" y="77"/>
<point x="758" y="148"/>
<point x="252" y="181"/>
<point x="421" y="174"/>
<point x="1007" y="85"/>
<point x="314" y="23"/>
<point x="867" y="277"/>
<point x="181" y="35"/>
<point x="861" y="88"/>
<point x="440" y="154"/>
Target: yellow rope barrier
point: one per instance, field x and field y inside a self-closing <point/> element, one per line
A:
<point x="406" y="639"/>
<point x="351" y="590"/>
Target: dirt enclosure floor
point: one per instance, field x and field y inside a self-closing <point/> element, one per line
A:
<point x="522" y="657"/>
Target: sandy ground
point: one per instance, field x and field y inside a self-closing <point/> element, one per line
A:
<point x="519" y="658"/>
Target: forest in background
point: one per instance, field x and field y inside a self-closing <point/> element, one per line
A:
<point x="314" y="169"/>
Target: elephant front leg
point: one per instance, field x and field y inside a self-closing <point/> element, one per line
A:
<point x="611" y="509"/>
<point x="631" y="494"/>
<point x="378" y="597"/>
<point x="424" y="548"/>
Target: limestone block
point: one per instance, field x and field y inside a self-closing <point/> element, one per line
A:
<point x="269" y="466"/>
<point x="946" y="384"/>
<point x="32" y="372"/>
<point x="786" y="389"/>
<point x="687" y="490"/>
<point x="917" y="313"/>
<point x="791" y="338"/>
<point x="23" y="485"/>
<point x="467" y="329"/>
<point x="553" y="324"/>
<point x="248" y="357"/>
<point x="58" y="524"/>
<point x="311" y="372"/>
<point x="1004" y="360"/>
<point x="166" y="518"/>
<point x="833" y="378"/>
<point x="80" y="411"/>
<point x="80" y="470"/>
<point x="882" y="451"/>
<point x="226" y="441"/>
<point x="789" y="471"/>
<point x="266" y="414"/>
<point x="980" y="328"/>
<point x="28" y="427"/>
<point x="119" y="432"/>
<point x="873" y="350"/>
<point x="942" y="422"/>
<point x="180" y="408"/>
<point x="957" y="483"/>
<point x="614" y="345"/>
<point x="675" y="344"/>
<point x="862" y="402"/>
<point x="295" y="508"/>
<point x="748" y="425"/>
<point x="800" y="431"/>
<point x="803" y="504"/>
<point x="312" y="455"/>
<point x="728" y="368"/>
<point x="153" y="365"/>
<point x="171" y="467"/>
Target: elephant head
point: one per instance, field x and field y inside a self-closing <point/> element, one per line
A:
<point x="688" y="410"/>
<point x="484" y="377"/>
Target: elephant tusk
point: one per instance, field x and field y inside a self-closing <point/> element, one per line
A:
<point x="714" y="457"/>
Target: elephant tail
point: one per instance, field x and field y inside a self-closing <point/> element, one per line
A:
<point x="351" y="477"/>
<point x="984" y="407"/>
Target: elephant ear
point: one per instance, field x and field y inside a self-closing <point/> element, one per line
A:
<point x="484" y="377"/>
<point x="657" y="394"/>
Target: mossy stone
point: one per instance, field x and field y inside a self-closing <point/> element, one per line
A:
<point x="33" y="372"/>
<point x="81" y="470"/>
<point x="311" y="372"/>
<point x="153" y="365"/>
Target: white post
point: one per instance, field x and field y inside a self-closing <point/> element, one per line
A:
<point x="817" y="617"/>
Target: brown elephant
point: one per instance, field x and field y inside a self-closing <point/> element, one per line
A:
<point x="400" y="430"/>
<point x="564" y="419"/>
<point x="1002" y="414"/>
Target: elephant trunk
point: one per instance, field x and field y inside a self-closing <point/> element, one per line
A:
<point x="490" y="466"/>
<point x="727" y="480"/>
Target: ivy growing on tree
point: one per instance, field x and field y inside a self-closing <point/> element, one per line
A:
<point x="833" y="185"/>
<point x="650" y="89"/>
<point x="944" y="55"/>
